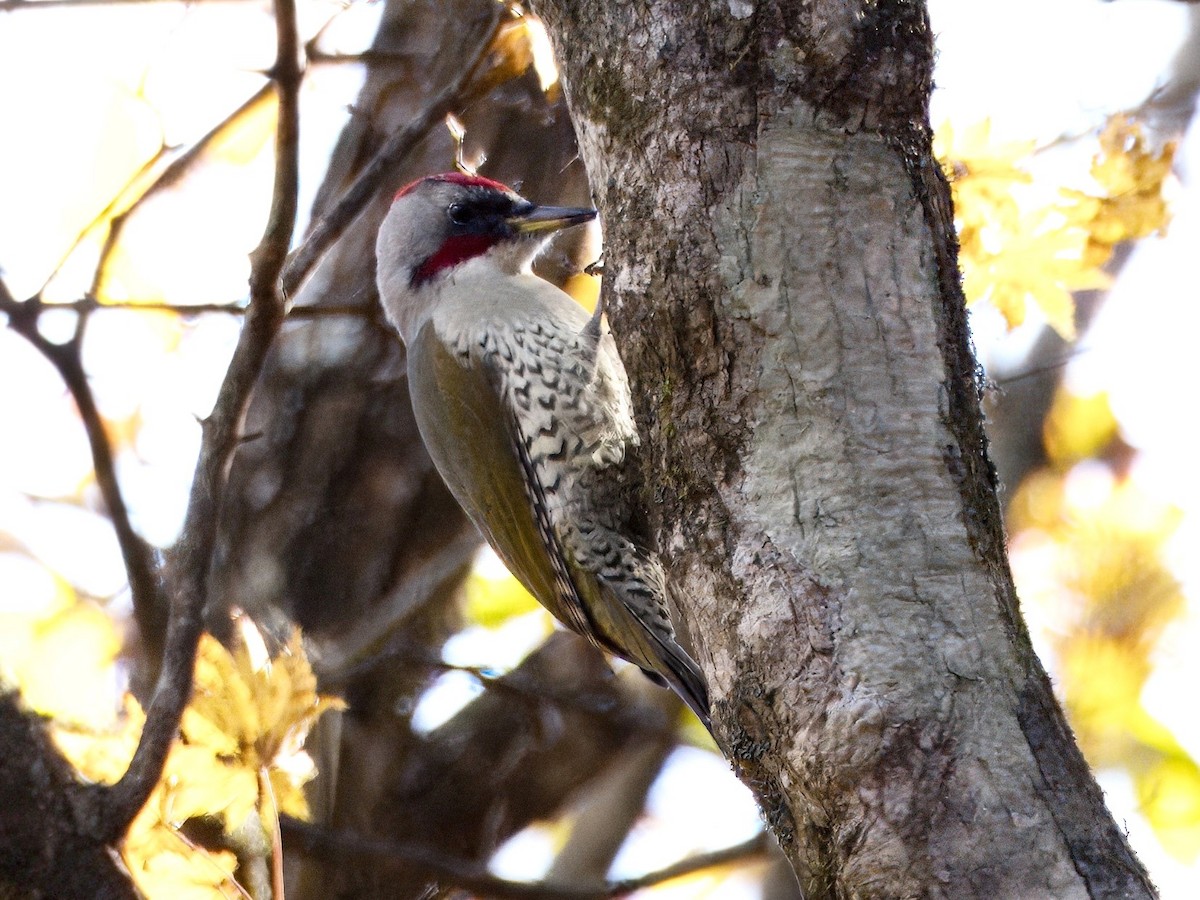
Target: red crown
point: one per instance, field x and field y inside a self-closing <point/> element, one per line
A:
<point x="456" y="178"/>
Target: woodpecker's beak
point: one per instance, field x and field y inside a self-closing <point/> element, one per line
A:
<point x="549" y="218"/>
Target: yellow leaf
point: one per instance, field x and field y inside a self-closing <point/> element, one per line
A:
<point x="1042" y="258"/>
<point x="201" y="784"/>
<point x="1169" y="794"/>
<point x="249" y="716"/>
<point x="543" y="55"/>
<point x="165" y="865"/>
<point x="222" y="697"/>
<point x="1078" y="427"/>
<point x="1102" y="680"/>
<point x="1132" y="176"/>
<point x="94" y="134"/>
<point x="1107" y="539"/>
<point x="161" y="863"/>
<point x="198" y="729"/>
<point x="1038" y="503"/>
<point x="509" y="56"/>
<point x="971" y="153"/>
<point x="982" y="176"/>
<point x="64" y="672"/>
<point x="153" y="259"/>
<point x="248" y="712"/>
<point x="289" y="795"/>
<point x="494" y="599"/>
<point x="1013" y="252"/>
<point x="245" y="137"/>
<point x="584" y="290"/>
<point x="103" y="755"/>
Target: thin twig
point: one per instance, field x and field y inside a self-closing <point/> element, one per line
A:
<point x="204" y="854"/>
<point x="141" y="567"/>
<point x="1043" y="369"/>
<point x="324" y="57"/>
<point x="333" y="224"/>
<point x="171" y="175"/>
<point x="88" y="305"/>
<point x="470" y="876"/>
<point x="267" y="791"/>
<point x="363" y="647"/>
<point x="645" y="720"/>
<point x="105" y="214"/>
<point x="24" y="5"/>
<point x="192" y="557"/>
<point x="314" y="54"/>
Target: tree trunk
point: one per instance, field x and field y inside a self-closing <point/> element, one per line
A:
<point x="781" y="276"/>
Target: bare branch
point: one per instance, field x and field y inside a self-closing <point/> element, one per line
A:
<point x="649" y="722"/>
<point x="192" y="557"/>
<point x="374" y="175"/>
<point x="105" y="214"/>
<point x="25" y="5"/>
<point x="171" y="175"/>
<point x="141" y="567"/>
<point x="467" y="875"/>
<point x="372" y="640"/>
<point x="88" y="305"/>
<point x="45" y="852"/>
<point x="750" y="849"/>
<point x="606" y="810"/>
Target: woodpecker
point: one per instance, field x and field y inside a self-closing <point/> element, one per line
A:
<point x="524" y="406"/>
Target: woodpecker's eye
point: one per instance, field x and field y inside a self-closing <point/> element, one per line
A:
<point x="460" y="213"/>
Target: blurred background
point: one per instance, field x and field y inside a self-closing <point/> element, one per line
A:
<point x="135" y="178"/>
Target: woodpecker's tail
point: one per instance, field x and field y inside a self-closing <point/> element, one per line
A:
<point x="683" y="675"/>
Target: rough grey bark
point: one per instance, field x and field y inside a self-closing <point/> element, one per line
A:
<point x="781" y="276"/>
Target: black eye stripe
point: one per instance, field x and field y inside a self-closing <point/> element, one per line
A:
<point x="473" y="210"/>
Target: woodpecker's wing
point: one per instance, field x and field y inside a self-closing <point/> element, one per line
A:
<point x="570" y="608"/>
<point x="609" y="590"/>
<point x="570" y="438"/>
<point x="458" y="403"/>
<point x="545" y="418"/>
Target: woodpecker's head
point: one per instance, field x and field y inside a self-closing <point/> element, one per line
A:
<point x="442" y="222"/>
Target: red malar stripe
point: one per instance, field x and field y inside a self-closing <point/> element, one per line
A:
<point x="455" y="250"/>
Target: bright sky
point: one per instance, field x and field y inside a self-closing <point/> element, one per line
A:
<point x="89" y="92"/>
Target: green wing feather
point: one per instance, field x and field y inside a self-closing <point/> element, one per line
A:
<point x="457" y="401"/>
<point x="457" y="404"/>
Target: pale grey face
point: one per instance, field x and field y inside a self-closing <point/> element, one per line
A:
<point x="433" y="227"/>
<point x="444" y="221"/>
<point x="439" y="224"/>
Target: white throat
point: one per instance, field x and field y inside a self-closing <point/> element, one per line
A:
<point x="409" y="306"/>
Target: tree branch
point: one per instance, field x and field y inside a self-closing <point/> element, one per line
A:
<point x="171" y="175"/>
<point x="44" y="851"/>
<point x="651" y="723"/>
<point x="141" y="567"/>
<point x="464" y="874"/>
<point x="21" y="5"/>
<point x="192" y="557"/>
<point x="333" y="224"/>
<point x="607" y="809"/>
<point x="88" y="305"/>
